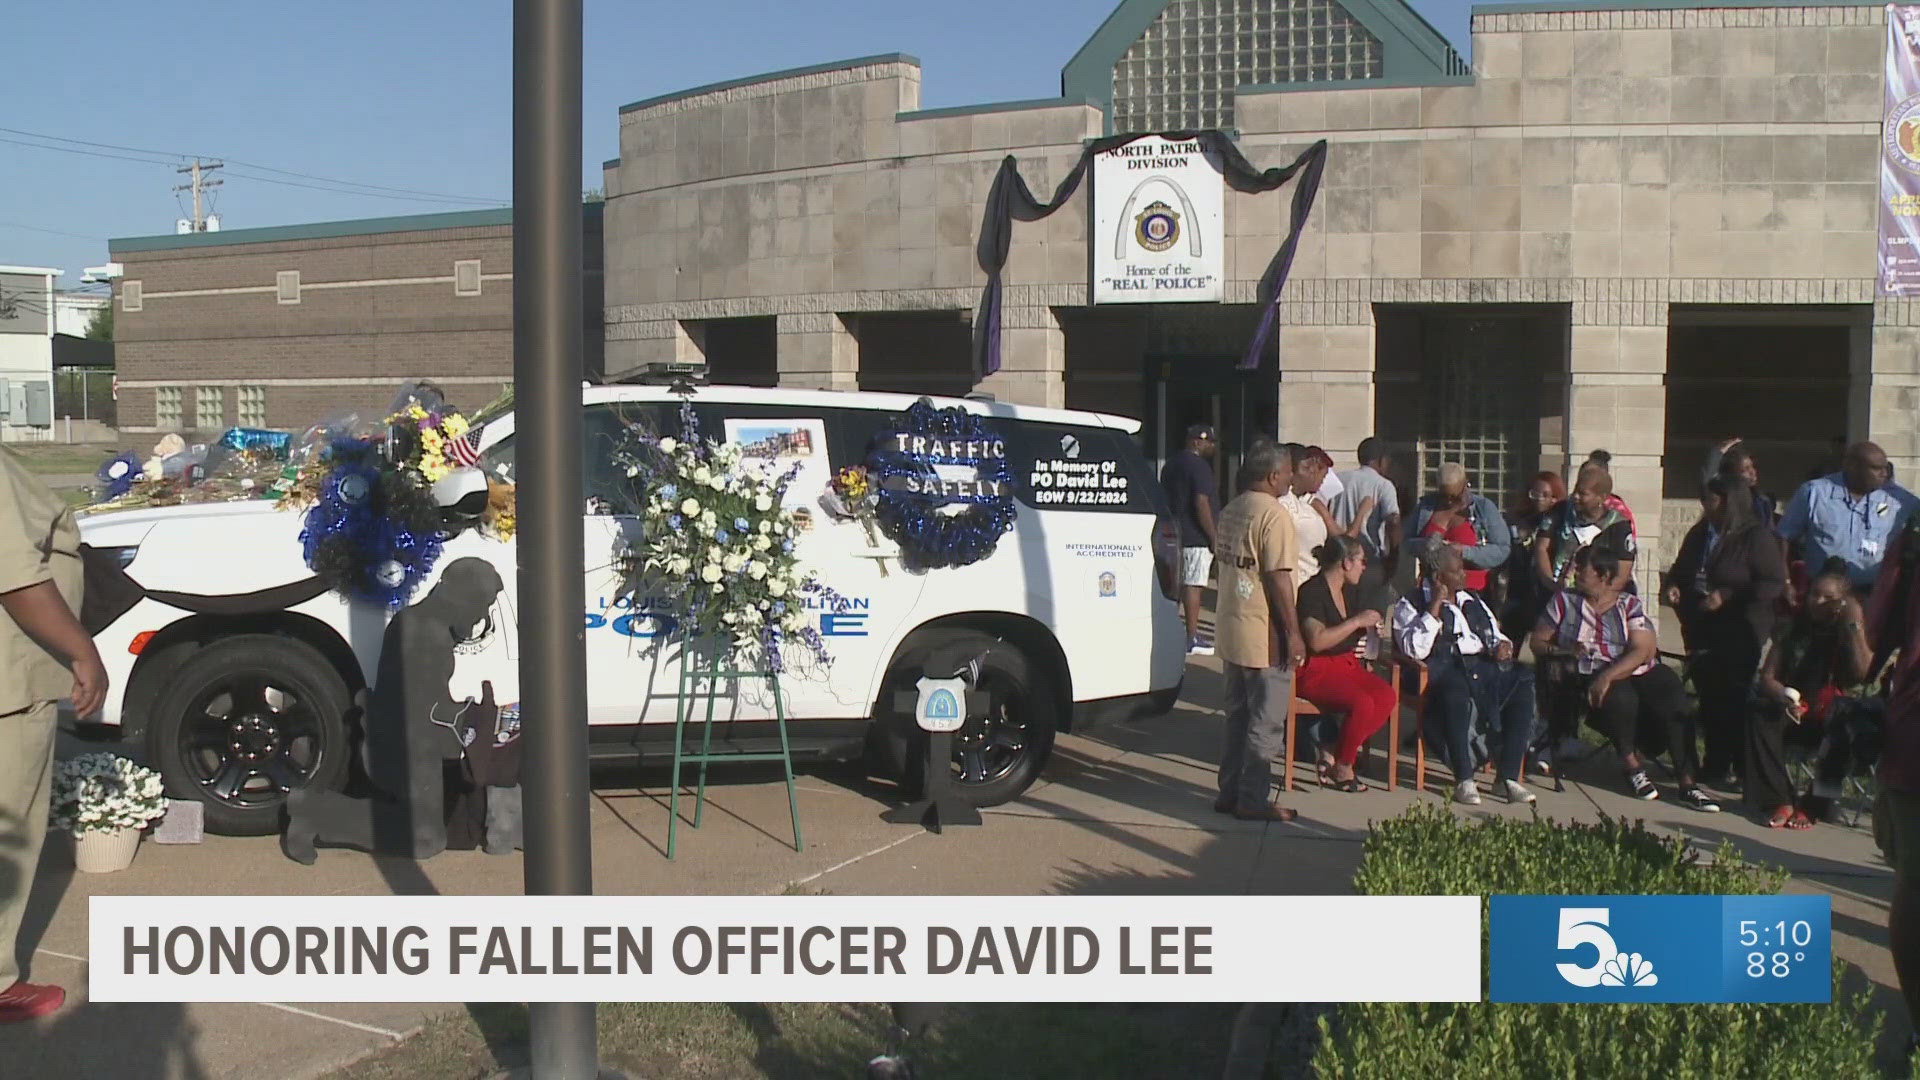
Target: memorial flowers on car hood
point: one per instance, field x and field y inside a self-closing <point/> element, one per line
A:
<point x="716" y="551"/>
<point x="105" y="793"/>
<point x="853" y="496"/>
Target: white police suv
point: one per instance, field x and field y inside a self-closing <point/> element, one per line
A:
<point x="240" y="675"/>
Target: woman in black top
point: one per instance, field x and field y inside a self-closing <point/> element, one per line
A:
<point x="1816" y="657"/>
<point x="1725" y="582"/>
<point x="1336" y="627"/>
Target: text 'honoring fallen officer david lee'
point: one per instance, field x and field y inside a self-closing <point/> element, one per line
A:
<point x="691" y="950"/>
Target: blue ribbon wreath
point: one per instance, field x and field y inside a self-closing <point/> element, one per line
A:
<point x="374" y="534"/>
<point x="914" y="504"/>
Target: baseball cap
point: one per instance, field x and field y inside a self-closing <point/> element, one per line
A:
<point x="1200" y="431"/>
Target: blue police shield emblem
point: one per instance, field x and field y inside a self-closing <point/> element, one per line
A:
<point x="942" y="705"/>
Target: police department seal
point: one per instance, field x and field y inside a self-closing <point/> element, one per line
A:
<point x="1157" y="227"/>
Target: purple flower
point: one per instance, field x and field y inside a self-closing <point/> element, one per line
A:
<point x="720" y="536"/>
<point x="673" y="522"/>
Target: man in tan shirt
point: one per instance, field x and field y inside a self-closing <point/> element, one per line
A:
<point x="1257" y="633"/>
<point x="45" y="655"/>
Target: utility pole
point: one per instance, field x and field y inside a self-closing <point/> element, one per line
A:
<point x="198" y="185"/>
<point x="547" y="332"/>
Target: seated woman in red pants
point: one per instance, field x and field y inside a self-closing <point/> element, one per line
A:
<point x="1335" y="625"/>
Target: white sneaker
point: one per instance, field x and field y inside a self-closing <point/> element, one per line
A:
<point x="1199" y="647"/>
<point x="1517" y="792"/>
<point x="1467" y="792"/>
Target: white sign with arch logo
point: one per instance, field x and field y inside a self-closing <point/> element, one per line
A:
<point x="943" y="705"/>
<point x="1159" y="229"/>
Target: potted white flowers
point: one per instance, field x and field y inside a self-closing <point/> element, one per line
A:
<point x="105" y="801"/>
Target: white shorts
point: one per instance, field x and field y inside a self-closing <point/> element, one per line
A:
<point x="1195" y="562"/>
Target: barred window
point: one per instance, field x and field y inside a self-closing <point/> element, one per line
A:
<point x="167" y="408"/>
<point x="209" y="408"/>
<point x="250" y="406"/>
<point x="1182" y="72"/>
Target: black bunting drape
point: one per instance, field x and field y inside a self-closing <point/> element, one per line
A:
<point x="1011" y="200"/>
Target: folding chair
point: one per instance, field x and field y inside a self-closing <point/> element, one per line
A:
<point x="1412" y="688"/>
<point x="697" y="666"/>
<point x="1298" y="706"/>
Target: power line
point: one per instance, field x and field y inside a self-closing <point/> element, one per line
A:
<point x="428" y="195"/>
<point x="51" y="232"/>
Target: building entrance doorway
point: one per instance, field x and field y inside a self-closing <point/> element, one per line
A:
<point x="1185" y="390"/>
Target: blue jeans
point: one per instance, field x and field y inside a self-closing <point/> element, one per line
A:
<point x="1502" y="694"/>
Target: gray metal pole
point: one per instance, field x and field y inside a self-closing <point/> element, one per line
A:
<point x="547" y="327"/>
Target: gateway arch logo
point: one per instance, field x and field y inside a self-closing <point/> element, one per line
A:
<point x="1156" y="227"/>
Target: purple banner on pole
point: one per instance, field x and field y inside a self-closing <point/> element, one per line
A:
<point x="1900" y="156"/>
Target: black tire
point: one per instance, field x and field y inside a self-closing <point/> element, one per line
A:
<point x="996" y="757"/>
<point x="279" y="700"/>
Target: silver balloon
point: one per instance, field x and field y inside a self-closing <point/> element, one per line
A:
<point x="390" y="574"/>
<point x="354" y="489"/>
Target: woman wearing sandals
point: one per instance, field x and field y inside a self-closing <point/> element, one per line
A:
<point x="1814" y="658"/>
<point x="1335" y="626"/>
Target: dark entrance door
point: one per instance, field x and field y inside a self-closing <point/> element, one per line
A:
<point x="1186" y="390"/>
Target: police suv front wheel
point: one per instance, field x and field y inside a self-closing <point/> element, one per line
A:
<point x="1008" y="735"/>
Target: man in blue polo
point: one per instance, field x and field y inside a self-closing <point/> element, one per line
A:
<point x="1852" y="514"/>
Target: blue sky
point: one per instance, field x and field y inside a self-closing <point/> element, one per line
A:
<point x="415" y="95"/>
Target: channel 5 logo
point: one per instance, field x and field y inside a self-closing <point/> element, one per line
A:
<point x="1660" y="948"/>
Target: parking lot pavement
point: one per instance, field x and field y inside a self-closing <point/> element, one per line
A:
<point x="1123" y="811"/>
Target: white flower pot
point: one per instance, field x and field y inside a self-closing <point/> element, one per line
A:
<point x="96" y="852"/>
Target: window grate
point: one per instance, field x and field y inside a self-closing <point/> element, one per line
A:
<point x="1182" y="72"/>
<point x="209" y="408"/>
<point x="167" y="414"/>
<point x="1473" y="412"/>
<point x="250" y="406"/>
<point x="130" y="296"/>
<point x="286" y="285"/>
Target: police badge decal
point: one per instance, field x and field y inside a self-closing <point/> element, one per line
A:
<point x="1157" y="227"/>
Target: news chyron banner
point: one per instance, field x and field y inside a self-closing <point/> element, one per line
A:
<point x="786" y="948"/>
<point x="1900" y="156"/>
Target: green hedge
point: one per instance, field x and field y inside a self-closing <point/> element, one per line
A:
<point x="1429" y="851"/>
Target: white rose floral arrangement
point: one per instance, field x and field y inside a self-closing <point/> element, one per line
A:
<point x="105" y="793"/>
<point x="716" y="551"/>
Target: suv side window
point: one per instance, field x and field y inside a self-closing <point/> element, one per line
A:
<point x="602" y="428"/>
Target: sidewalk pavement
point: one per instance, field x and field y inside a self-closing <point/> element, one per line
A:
<point x="1124" y="811"/>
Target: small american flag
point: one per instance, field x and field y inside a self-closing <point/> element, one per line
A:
<point x="466" y="449"/>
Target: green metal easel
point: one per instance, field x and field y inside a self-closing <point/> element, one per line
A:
<point x="712" y="666"/>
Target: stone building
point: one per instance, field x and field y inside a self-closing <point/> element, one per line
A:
<point x="1638" y="226"/>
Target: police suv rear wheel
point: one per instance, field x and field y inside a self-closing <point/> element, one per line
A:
<point x="1001" y="749"/>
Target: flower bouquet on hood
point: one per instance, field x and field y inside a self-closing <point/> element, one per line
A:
<point x="852" y="495"/>
<point x="716" y="550"/>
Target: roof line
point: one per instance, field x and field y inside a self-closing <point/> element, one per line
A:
<point x="321" y="230"/>
<point x="36" y="270"/>
<point x="998" y="106"/>
<point x="1534" y="6"/>
<point x="772" y="76"/>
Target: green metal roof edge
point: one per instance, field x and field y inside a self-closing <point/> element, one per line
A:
<point x="1413" y="53"/>
<point x="322" y="230"/>
<point x="789" y="73"/>
<point x="1533" y="6"/>
<point x="999" y="106"/>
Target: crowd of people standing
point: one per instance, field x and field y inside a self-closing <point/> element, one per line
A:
<point x="1321" y="572"/>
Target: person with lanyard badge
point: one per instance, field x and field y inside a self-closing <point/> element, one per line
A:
<point x="46" y="654"/>
<point x="1634" y="700"/>
<point x="1193" y="492"/>
<point x="1470" y="670"/>
<point x="1257" y="634"/>
<point x="1585" y="520"/>
<point x="1851" y="515"/>
<point x="1467" y="520"/>
<point x="1725" y="584"/>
